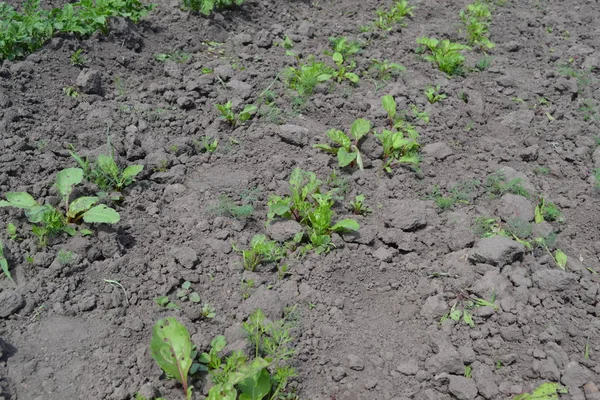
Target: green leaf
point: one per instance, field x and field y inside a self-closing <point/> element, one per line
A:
<point x="186" y="285"/>
<point x="389" y="105"/>
<point x="218" y="343"/>
<point x="255" y="387"/>
<point x="352" y="77"/>
<point x="360" y="128"/>
<point x="67" y="178"/>
<point x="171" y="348"/>
<point x="36" y="214"/>
<point x="561" y="258"/>
<point x="340" y="138"/>
<point x="359" y="160"/>
<point x="345" y="225"/>
<point x="194" y="297"/>
<point x="455" y="314"/>
<point x="345" y="158"/>
<point x="468" y="319"/>
<point x="131" y="171"/>
<point x="108" y="166"/>
<point x="337" y="58"/>
<point x="323" y="77"/>
<point x="101" y="214"/>
<point x="539" y="213"/>
<point x="19" y="200"/>
<point x="80" y="205"/>
<point x="325" y="147"/>
<point x="4" y="263"/>
<point x="249" y="108"/>
<point x="546" y="391"/>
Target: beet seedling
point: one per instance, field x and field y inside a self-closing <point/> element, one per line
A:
<point x="304" y="78"/>
<point x="547" y="390"/>
<point x="171" y="348"/>
<point x="346" y="47"/>
<point x="434" y="95"/>
<point x="387" y="19"/>
<point x="186" y="293"/>
<point x="344" y="68"/>
<point x="347" y="153"/>
<point x="261" y="250"/>
<point x="476" y="19"/>
<point x="232" y="118"/>
<point x="385" y="70"/>
<point x="358" y="206"/>
<point x="207" y="6"/>
<point x="444" y="53"/>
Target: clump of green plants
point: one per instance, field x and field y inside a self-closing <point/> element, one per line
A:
<point x="208" y="6"/>
<point x="71" y="91"/>
<point x="546" y="391"/>
<point x="206" y="144"/>
<point x="311" y="209"/>
<point x="547" y="211"/>
<point x="462" y="308"/>
<point x="476" y="20"/>
<point x="227" y="207"/>
<point x="385" y="70"/>
<point x="23" y="33"/>
<point x="358" y="206"/>
<point x="344" y="68"/>
<point x="497" y="185"/>
<point x="77" y="58"/>
<point x="386" y="20"/>
<point x="346" y="47"/>
<point x="460" y="193"/>
<point x="177" y="56"/>
<point x="185" y="293"/>
<point x="231" y="117"/>
<point x="444" y="53"/>
<point x="261" y="251"/>
<point x="400" y="141"/>
<point x="105" y="173"/>
<point x="304" y="78"/>
<point x="4" y="263"/>
<point x="49" y="221"/>
<point x="347" y="151"/>
<point x="434" y="94"/>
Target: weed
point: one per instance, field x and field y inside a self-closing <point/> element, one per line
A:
<point x="444" y="53"/>
<point x="518" y="228"/>
<point x="358" y="206"/>
<point x="304" y="78"/>
<point x="228" y="208"/>
<point x="547" y="390"/>
<point x="163" y="301"/>
<point x="232" y="118"/>
<point x="464" y="96"/>
<point x="49" y="221"/>
<point x="11" y="230"/>
<point x="468" y="371"/>
<point x="171" y="348"/>
<point x="77" y="58"/>
<point x="177" y="56"/>
<point x="118" y="284"/>
<point x="310" y="208"/>
<point x="185" y="293"/>
<point x="386" y="20"/>
<point x="339" y="184"/>
<point x="261" y="251"/>
<point x="208" y="311"/>
<point x="65" y="257"/>
<point x="246" y="286"/>
<point x="4" y="263"/>
<point x="347" y="151"/>
<point x="344" y="46"/>
<point x="497" y="186"/>
<point x="434" y="95"/>
<point x="547" y="211"/>
<point x="589" y="109"/>
<point x="459" y="193"/>
<point x="207" y="6"/>
<point x="476" y="19"/>
<point x="483" y="63"/>
<point x="71" y="91"/>
<point x="282" y="271"/>
<point x="385" y="70"/>
<point x="462" y="308"/>
<point x="286" y="43"/>
<point x="541" y="170"/>
<point x="584" y="78"/>
<point x="206" y="144"/>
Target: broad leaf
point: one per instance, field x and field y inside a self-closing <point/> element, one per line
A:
<point x="19" y="200"/>
<point x="101" y="214"/>
<point x="352" y="77"/>
<point x="171" y="348"/>
<point x="36" y="214"/>
<point x="468" y="318"/>
<point x="561" y="258"/>
<point x="539" y="214"/>
<point x="249" y="108"/>
<point x="345" y="225"/>
<point x="360" y="128"/>
<point x="131" y="171"/>
<point x="222" y="391"/>
<point x="323" y="77"/>
<point x="359" y="160"/>
<point x="67" y="178"/>
<point x="389" y="105"/>
<point x="108" y="166"/>
<point x="255" y="387"/>
<point x="339" y="137"/>
<point x="80" y="205"/>
<point x="337" y="58"/>
<point x="455" y="314"/>
<point x="345" y="158"/>
<point x="546" y="391"/>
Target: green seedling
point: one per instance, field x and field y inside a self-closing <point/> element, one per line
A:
<point x="77" y="58"/>
<point x="347" y="151"/>
<point x="282" y="271"/>
<point x="261" y="251"/>
<point x="476" y="20"/>
<point x="468" y="371"/>
<point x="547" y="211"/>
<point x="4" y="263"/>
<point x="246" y="286"/>
<point x="434" y="95"/>
<point x="171" y="348"/>
<point x="461" y="193"/>
<point x="208" y="6"/>
<point x="546" y="391"/>
<point x="49" y="221"/>
<point x="385" y="70"/>
<point x="311" y="209"/>
<point x="343" y="68"/>
<point x="346" y="47"/>
<point x="11" y="230"/>
<point x="444" y="53"/>
<point x="304" y="78"/>
<point x="497" y="186"/>
<point x="163" y="301"/>
<point x="186" y="293"/>
<point x="358" y="206"/>
<point x="236" y="119"/>
<point x="177" y="56"/>
<point x="207" y="144"/>
<point x="208" y="311"/>
<point x="386" y="20"/>
<point x="286" y="43"/>
<point x="71" y="91"/>
<point x="483" y="63"/>
<point x="65" y="257"/>
<point x="462" y="308"/>
<point x="421" y="115"/>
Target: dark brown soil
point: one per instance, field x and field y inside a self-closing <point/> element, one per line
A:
<point x="369" y="311"/>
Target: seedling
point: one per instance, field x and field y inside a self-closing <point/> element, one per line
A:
<point x="358" y="206"/>
<point x="434" y="95"/>
<point x="483" y="63"/>
<point x="246" y="286"/>
<point x="77" y="58"/>
<point x="261" y="251"/>
<point x="286" y="43"/>
<point x="4" y="263"/>
<point x="65" y="257"/>
<point x="207" y="144"/>
<point x="385" y="70"/>
<point x="11" y="229"/>
<point x="208" y="311"/>
<point x="282" y="271"/>
<point x="164" y="301"/>
<point x="71" y="91"/>
<point x="186" y="293"/>
<point x="208" y="6"/>
<point x="304" y="78"/>
<point x="468" y="371"/>
<point x="177" y="56"/>
<point x="547" y="390"/>
<point x="463" y="306"/>
<point x="347" y="153"/>
<point x="461" y="193"/>
<point x="346" y="47"/>
<point x="236" y="119"/>
<point x="444" y="53"/>
<point x="547" y="211"/>
<point x="497" y="186"/>
<point x="49" y="221"/>
<point x="343" y="69"/>
<point x="171" y="348"/>
<point x="386" y="20"/>
<point x="476" y="19"/>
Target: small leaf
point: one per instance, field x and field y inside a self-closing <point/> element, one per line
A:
<point x="360" y="128"/>
<point x="131" y="171"/>
<point x="561" y="258"/>
<point x="194" y="297"/>
<point x="359" y="160"/>
<point x="339" y="138"/>
<point x="323" y="77"/>
<point x="162" y="300"/>
<point x="101" y="214"/>
<point x="186" y="285"/>
<point x="218" y="343"/>
<point x="389" y="105"/>
<point x="337" y="58"/>
<point x="86" y="232"/>
<point x="468" y="319"/>
<point x="67" y="178"/>
<point x="326" y="148"/>
<point x="249" y="108"/>
<point x="345" y="158"/>
<point x="108" y="166"/>
<point x="4" y="263"/>
<point x="352" y="77"/>
<point x="345" y="225"/>
<point x="19" y="200"/>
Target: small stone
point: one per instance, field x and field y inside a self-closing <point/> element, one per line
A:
<point x="554" y="279"/>
<point x="10" y="303"/>
<point x="408" y="215"/>
<point x="338" y="373"/>
<point x="497" y="250"/>
<point x="434" y="306"/>
<point x="172" y="70"/>
<point x="547" y="369"/>
<point x="293" y="134"/>
<point x="439" y="150"/>
<point x="242" y="39"/>
<point x="575" y="375"/>
<point x="306" y="29"/>
<point x="355" y="363"/>
<point x="462" y="388"/>
<point x="267" y="300"/>
<point x="186" y="256"/>
<point x="514" y="206"/>
<point x="409" y="367"/>
<point x="263" y="39"/>
<point x="520" y="119"/>
<point x="383" y="254"/>
<point x="284" y="230"/>
<point x="185" y="102"/>
<point x="89" y="81"/>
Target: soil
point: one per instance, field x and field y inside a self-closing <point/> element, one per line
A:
<point x="369" y="311"/>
